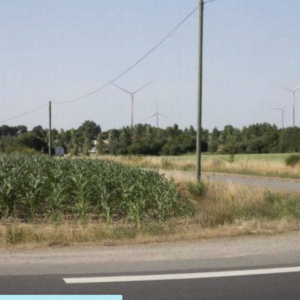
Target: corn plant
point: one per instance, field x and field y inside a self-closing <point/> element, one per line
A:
<point x="35" y="186"/>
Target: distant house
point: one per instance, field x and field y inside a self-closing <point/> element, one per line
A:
<point x="93" y="150"/>
<point x="95" y="143"/>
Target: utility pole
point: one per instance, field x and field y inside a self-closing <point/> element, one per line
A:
<point x="199" y="129"/>
<point x="294" y="109"/>
<point x="132" y="112"/>
<point x="50" y="128"/>
<point x="157" y="113"/>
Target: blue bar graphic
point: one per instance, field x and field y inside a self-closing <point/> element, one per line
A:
<point x="60" y="297"/>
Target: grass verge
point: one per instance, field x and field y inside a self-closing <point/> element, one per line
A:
<point x="67" y="234"/>
<point x="219" y="164"/>
<point x="220" y="210"/>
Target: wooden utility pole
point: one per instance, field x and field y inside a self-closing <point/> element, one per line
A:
<point x="50" y="128"/>
<point x="199" y="129"/>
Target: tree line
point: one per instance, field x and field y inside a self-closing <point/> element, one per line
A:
<point x="143" y="139"/>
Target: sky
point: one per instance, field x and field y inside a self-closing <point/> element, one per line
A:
<point x="59" y="50"/>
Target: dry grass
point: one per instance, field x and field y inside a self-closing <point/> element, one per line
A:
<point x="262" y="168"/>
<point x="269" y="168"/>
<point x="39" y="236"/>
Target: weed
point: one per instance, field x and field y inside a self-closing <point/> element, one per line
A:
<point x="292" y="160"/>
<point x="166" y="164"/>
<point x="198" y="190"/>
<point x="14" y="235"/>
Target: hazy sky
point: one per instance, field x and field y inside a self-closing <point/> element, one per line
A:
<point x="61" y="49"/>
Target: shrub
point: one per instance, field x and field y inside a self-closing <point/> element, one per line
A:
<point x="292" y="160"/>
<point x="197" y="190"/>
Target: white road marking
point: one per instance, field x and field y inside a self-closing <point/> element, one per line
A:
<point x="181" y="276"/>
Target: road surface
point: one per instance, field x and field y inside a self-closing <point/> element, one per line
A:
<point x="237" y="268"/>
<point x="280" y="184"/>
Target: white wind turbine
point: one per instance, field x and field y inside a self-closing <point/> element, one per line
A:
<point x="157" y="114"/>
<point x="294" y="102"/>
<point x="132" y="96"/>
<point x="282" y="112"/>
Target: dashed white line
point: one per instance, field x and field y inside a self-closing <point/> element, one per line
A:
<point x="204" y="275"/>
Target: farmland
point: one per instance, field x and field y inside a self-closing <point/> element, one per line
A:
<point x="36" y="187"/>
<point x="47" y="201"/>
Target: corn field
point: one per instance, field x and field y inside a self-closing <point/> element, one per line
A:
<point x="37" y="188"/>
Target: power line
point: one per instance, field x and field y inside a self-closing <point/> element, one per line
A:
<point x="24" y="114"/>
<point x="117" y="77"/>
<point x="135" y="64"/>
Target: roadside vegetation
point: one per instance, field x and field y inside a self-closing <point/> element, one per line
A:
<point x="268" y="165"/>
<point x="52" y="202"/>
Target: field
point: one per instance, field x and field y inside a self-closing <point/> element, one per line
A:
<point x="49" y="202"/>
<point x="269" y="165"/>
<point x="37" y="188"/>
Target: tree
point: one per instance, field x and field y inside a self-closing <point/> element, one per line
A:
<point x="40" y="132"/>
<point x="214" y="140"/>
<point x="74" y="144"/>
<point x="289" y="140"/>
<point x="87" y="146"/>
<point x="113" y="142"/>
<point x="99" y="146"/>
<point x="122" y="143"/>
<point x="88" y="129"/>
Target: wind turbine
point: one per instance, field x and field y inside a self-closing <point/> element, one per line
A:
<point x="294" y="103"/>
<point x="282" y="111"/>
<point x="157" y="114"/>
<point x="132" y="96"/>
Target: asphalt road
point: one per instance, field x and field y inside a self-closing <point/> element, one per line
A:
<point x="283" y="286"/>
<point x="256" y="181"/>
<point x="33" y="272"/>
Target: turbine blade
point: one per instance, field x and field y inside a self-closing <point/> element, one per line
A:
<point x="117" y="86"/>
<point x="142" y="87"/>
<point x="284" y="105"/>
<point x="297" y="88"/>
<point x="283" y="87"/>
<point x="150" y="117"/>
<point x="165" y="117"/>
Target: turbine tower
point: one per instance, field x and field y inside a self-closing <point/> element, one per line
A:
<point x="132" y="96"/>
<point x="282" y="112"/>
<point x="294" y="102"/>
<point x="157" y="114"/>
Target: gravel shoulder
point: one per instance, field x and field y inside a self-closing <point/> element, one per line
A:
<point x="207" y="254"/>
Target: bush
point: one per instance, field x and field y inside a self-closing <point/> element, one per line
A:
<point x="292" y="160"/>
<point x="29" y="151"/>
<point x="197" y="190"/>
<point x="292" y="206"/>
